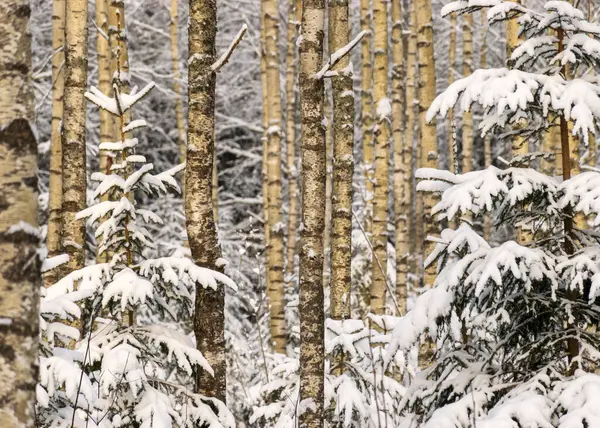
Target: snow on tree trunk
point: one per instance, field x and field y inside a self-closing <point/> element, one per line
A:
<point x="275" y="249"/>
<point x="291" y="91"/>
<point x="265" y="139"/>
<point x="467" y="69"/>
<point x="451" y="71"/>
<point x="19" y="268"/>
<point x="343" y="162"/>
<point x="55" y="197"/>
<point x="367" y="110"/>
<point x="313" y="217"/>
<point x="410" y="149"/>
<point x="401" y="173"/>
<point x="383" y="113"/>
<point x="427" y="141"/>
<point x="74" y="132"/>
<point x="105" y="86"/>
<point x="200" y="221"/>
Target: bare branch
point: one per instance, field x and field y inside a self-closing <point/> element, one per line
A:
<point x="339" y="54"/>
<point x="227" y="54"/>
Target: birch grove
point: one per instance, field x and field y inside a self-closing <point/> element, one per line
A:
<point x="299" y="213"/>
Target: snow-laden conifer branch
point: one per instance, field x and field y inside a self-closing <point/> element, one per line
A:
<point x="229" y="51"/>
<point x="116" y="359"/>
<point x="339" y="54"/>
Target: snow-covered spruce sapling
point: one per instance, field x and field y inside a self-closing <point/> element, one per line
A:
<point x="359" y="391"/>
<point x="135" y="373"/>
<point x="515" y="324"/>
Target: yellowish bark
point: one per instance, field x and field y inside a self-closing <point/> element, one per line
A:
<point x="451" y="71"/>
<point x="105" y="86"/>
<point x="55" y="199"/>
<point x="401" y="172"/>
<point x="427" y="131"/>
<point x="265" y="126"/>
<point x="328" y="111"/>
<point x="520" y="145"/>
<point x="487" y="147"/>
<point x="343" y="162"/>
<point x="73" y="132"/>
<point x="367" y="110"/>
<point x="467" y="70"/>
<point x="117" y="33"/>
<point x="427" y="139"/>
<point x="275" y="248"/>
<point x="209" y="320"/>
<point x="179" y="119"/>
<point x="409" y="150"/>
<point x="382" y="154"/>
<point x="312" y="359"/>
<point x="19" y="270"/>
<point x="291" y="89"/>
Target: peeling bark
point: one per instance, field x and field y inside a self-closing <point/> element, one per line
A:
<point x="343" y="162"/>
<point x="401" y="170"/>
<point x="19" y="267"/>
<point x="312" y="321"/>
<point x="74" y="132"/>
<point x="200" y="222"/>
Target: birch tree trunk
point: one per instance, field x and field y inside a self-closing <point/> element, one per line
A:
<point x="427" y="131"/>
<point x="520" y="145"/>
<point x="291" y="89"/>
<point x="19" y="277"/>
<point x="265" y="126"/>
<point x="73" y="132"/>
<point x="427" y="141"/>
<point x="275" y="247"/>
<point x="367" y="109"/>
<point x="467" y="70"/>
<point x="200" y="223"/>
<point x="343" y="162"/>
<point x="487" y="143"/>
<point x="105" y="86"/>
<point x="410" y="149"/>
<point x="451" y="70"/>
<point x="55" y="199"/>
<point x="328" y="111"/>
<point x="401" y="174"/>
<point x="312" y="349"/>
<point x="382" y="155"/>
<point x="179" y="120"/>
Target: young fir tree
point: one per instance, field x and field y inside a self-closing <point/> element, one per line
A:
<point x="515" y="325"/>
<point x="125" y="369"/>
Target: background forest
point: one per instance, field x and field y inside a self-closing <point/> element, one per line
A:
<point x="271" y="213"/>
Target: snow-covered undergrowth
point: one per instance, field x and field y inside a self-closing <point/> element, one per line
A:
<point x="105" y="365"/>
<point x="515" y="323"/>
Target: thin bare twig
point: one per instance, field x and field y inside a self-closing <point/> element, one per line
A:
<point x="227" y="54"/>
<point x="339" y="54"/>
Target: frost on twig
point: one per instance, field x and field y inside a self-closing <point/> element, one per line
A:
<point x="227" y="54"/>
<point x="339" y="54"/>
